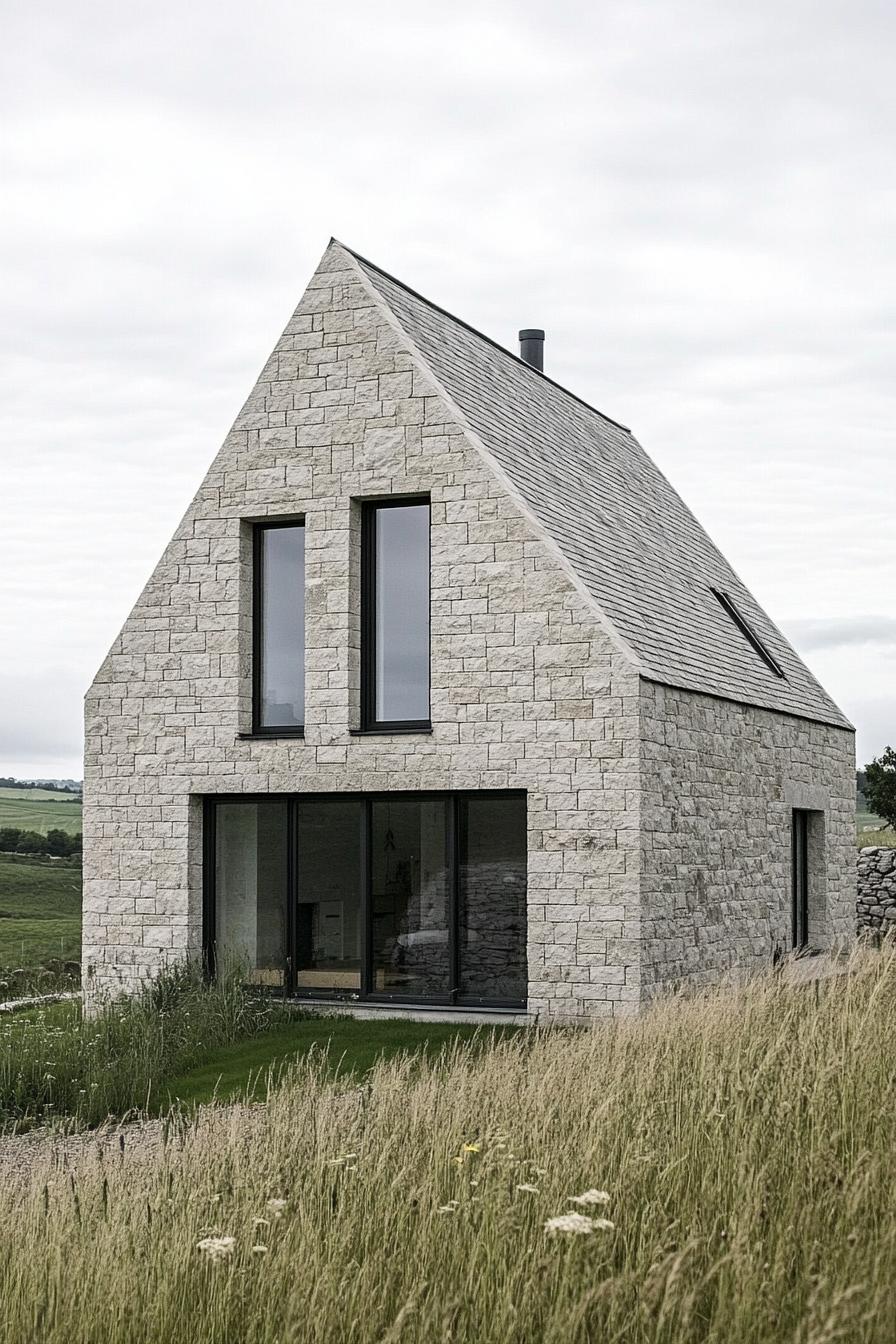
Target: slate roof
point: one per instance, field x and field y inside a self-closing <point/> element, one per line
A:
<point x="634" y="544"/>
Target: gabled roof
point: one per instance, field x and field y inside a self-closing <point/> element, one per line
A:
<point x="636" y="547"/>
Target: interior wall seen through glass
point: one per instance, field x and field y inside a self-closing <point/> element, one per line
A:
<point x="328" y="909"/>
<point x="251" y="889"/>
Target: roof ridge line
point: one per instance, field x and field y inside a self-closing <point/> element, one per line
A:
<point x="608" y="626"/>
<point x="415" y="293"/>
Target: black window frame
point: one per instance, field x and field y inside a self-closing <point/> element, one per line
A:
<point x="800" y="832"/>
<point x="727" y="602"/>
<point x="369" y="721"/>
<point x="455" y="816"/>
<point x="258" y="530"/>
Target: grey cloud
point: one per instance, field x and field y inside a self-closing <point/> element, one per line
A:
<point x="694" y="200"/>
<point x="843" y="632"/>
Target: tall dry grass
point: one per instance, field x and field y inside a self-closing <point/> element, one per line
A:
<point x="747" y="1143"/>
<point x="56" y="1063"/>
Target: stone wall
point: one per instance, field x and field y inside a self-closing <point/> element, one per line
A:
<point x="528" y="690"/>
<point x="720" y="782"/>
<point x="876" y="901"/>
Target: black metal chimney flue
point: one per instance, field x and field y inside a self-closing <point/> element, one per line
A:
<point x="532" y="347"/>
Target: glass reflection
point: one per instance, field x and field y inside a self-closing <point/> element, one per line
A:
<point x="282" y="627"/>
<point x="492" y="898"/>
<point x="410" y="897"/>
<point x="402" y="613"/>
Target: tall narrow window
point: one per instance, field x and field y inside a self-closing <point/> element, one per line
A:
<point x="800" y="879"/>
<point x="395" y="654"/>
<point x="279" y="629"/>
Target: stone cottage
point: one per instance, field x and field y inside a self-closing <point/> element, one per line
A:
<point x="440" y="697"/>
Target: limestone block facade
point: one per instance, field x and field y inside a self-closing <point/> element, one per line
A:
<point x="657" y="818"/>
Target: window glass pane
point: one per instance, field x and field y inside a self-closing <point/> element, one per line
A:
<point x="282" y="680"/>
<point x="492" y="898"/>
<point x="250" y="887"/>
<point x="402" y="613"/>
<point x="410" y="897"/>
<point x="328" y="913"/>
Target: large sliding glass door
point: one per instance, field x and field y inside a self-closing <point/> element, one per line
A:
<point x="401" y="896"/>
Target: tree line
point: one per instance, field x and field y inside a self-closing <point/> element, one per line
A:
<point x="877" y="784"/>
<point x="58" y="844"/>
<point x="50" y="785"/>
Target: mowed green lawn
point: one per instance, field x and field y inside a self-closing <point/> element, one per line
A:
<point x="40" y="911"/>
<point x="39" y="810"/>
<point x="351" y="1047"/>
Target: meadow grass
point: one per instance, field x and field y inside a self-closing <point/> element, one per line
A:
<point x="55" y="1063"/>
<point x="886" y="837"/>
<point x="744" y="1141"/>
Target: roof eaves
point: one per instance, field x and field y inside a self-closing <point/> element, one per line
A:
<point x="836" y="719"/>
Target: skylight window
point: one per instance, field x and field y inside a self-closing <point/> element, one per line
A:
<point x="749" y="633"/>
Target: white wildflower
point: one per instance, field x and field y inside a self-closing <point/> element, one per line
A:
<point x="275" y="1207"/>
<point x="528" y="1189"/>
<point x="450" y="1207"/>
<point x="259" y="1249"/>
<point x="261" y="1222"/>
<point x="572" y="1224"/>
<point x="216" y="1248"/>
<point x="590" y="1197"/>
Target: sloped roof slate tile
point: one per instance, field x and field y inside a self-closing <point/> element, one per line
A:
<point x="627" y="534"/>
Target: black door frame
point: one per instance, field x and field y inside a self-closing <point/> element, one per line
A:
<point x="455" y="839"/>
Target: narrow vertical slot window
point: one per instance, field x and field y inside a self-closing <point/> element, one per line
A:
<point x="279" y="629"/>
<point x="396" y="599"/>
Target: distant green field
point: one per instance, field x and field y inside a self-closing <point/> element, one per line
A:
<point x="39" y="810"/>
<point x="37" y="795"/>
<point x="870" y="830"/>
<point x="40" y="912"/>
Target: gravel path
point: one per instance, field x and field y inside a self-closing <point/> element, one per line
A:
<point x="52" y="1151"/>
<point x="48" y="1152"/>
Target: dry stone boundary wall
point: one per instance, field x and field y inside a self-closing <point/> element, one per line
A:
<point x="876" y="901"/>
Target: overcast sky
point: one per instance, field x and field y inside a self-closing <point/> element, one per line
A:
<point x="695" y="199"/>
